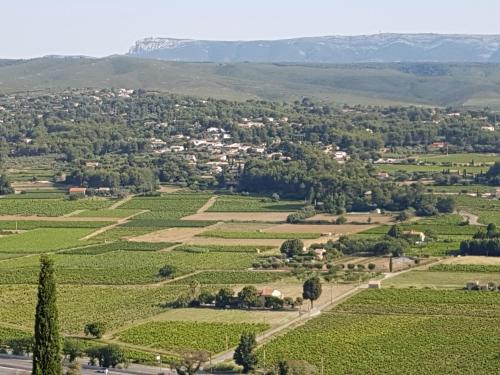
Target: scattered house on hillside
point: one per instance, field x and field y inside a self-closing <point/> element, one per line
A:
<point x="341" y="156"/>
<point x="497" y="193"/>
<point x="383" y="175"/>
<point x="437" y="145"/>
<point x="319" y="254"/>
<point x="489" y="128"/>
<point x="91" y="164"/>
<point x="270" y="292"/>
<point x="414" y="235"/>
<point x="77" y="191"/>
<point x="157" y="143"/>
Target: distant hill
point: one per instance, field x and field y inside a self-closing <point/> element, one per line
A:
<point x="381" y="48"/>
<point x="399" y="83"/>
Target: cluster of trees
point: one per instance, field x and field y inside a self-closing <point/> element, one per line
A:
<point x="5" y="187"/>
<point x="484" y="242"/>
<point x="315" y="177"/>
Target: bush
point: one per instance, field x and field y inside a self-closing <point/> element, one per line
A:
<point x="371" y="266"/>
<point x="95" y="329"/>
<point x="167" y="271"/>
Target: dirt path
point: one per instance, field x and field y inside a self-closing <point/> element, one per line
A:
<point x="119" y="222"/>
<point x="473" y="219"/>
<point x="207" y="205"/>
<point x="115" y="205"/>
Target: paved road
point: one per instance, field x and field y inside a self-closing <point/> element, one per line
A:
<point x="21" y="366"/>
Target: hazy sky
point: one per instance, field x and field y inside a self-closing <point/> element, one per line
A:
<point x="31" y="28"/>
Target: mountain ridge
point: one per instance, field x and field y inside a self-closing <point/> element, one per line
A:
<point x="383" y="48"/>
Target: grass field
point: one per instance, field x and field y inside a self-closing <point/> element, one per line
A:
<point x="440" y="279"/>
<point x="182" y="336"/>
<point x="228" y="203"/>
<point x="105" y="212"/>
<point x="399" y="331"/>
<point x="43" y="240"/>
<point x="461" y="158"/>
<point x="409" y="168"/>
<point x="121" y="267"/>
<point x="169" y="206"/>
<point x="113" y="305"/>
<point x="49" y="207"/>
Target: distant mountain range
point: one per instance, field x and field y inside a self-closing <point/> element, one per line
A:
<point x="382" y="48"/>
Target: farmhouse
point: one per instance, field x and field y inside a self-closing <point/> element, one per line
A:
<point x="270" y="292"/>
<point x="414" y="235"/>
<point x="77" y="191"/>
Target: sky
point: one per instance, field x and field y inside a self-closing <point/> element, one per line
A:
<point x="31" y="28"/>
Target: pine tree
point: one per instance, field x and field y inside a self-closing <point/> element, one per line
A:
<point x="243" y="355"/>
<point x="46" y="351"/>
<point x="390" y="264"/>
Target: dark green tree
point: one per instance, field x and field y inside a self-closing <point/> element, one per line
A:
<point x="46" y="350"/>
<point x="292" y="247"/>
<point x="95" y="329"/>
<point x="248" y="296"/>
<point x="312" y="289"/>
<point x="395" y="231"/>
<point x="244" y="354"/>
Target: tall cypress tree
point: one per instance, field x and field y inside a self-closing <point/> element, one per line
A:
<point x="46" y="352"/>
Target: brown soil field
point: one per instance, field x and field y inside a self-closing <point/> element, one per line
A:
<point x="172" y="234"/>
<point x="240" y="216"/>
<point x="361" y="218"/>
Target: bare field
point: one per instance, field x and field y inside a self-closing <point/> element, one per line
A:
<point x="360" y="218"/>
<point x="240" y="216"/>
<point x="172" y="234"/>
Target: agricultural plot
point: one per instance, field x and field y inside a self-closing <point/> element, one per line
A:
<point x="233" y="277"/>
<point x="43" y="240"/>
<point x="465" y="158"/>
<point x="79" y="305"/>
<point x="121" y="267"/>
<point x="155" y="224"/>
<point x="411" y="168"/>
<point x="36" y="224"/>
<point x="49" y="207"/>
<point x="258" y="235"/>
<point x="119" y="246"/>
<point x="450" y="231"/>
<point x="477" y="268"/>
<point x="120" y="233"/>
<point x="229" y="203"/>
<point x="399" y="331"/>
<point x="118" y="213"/>
<point x="488" y="210"/>
<point x="181" y="336"/>
<point x="223" y="249"/>
<point x="439" y="279"/>
<point x="269" y="217"/>
<point x="171" y="206"/>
